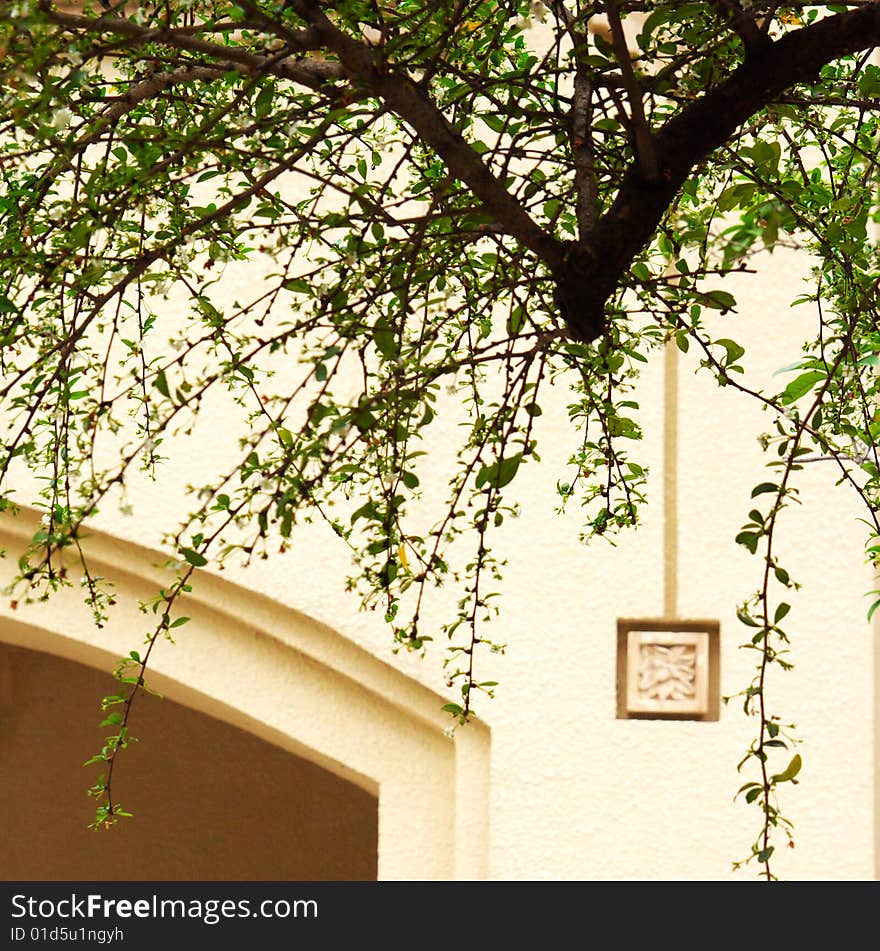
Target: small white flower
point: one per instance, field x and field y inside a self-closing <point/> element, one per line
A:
<point x="61" y="119"/>
<point x="44" y="521"/>
<point x="449" y="732"/>
<point x="74" y="57"/>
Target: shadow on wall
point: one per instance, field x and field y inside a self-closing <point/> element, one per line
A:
<point x="210" y="801"/>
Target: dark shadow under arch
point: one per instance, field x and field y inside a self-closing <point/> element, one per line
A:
<point x="211" y="801"/>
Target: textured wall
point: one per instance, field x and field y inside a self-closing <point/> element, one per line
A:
<point x="575" y="792"/>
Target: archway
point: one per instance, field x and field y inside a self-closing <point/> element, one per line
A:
<point x="284" y="678"/>
<point x="213" y="802"/>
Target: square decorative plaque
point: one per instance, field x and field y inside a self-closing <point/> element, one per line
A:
<point x="668" y="669"/>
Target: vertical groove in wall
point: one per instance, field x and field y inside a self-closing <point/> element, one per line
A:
<point x="670" y="481"/>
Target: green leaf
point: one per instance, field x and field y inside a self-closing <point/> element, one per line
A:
<point x="161" y="384"/>
<point x="801" y="385"/>
<point x="749" y="539"/>
<point x="196" y="559"/>
<point x="719" y="300"/>
<point x="516" y="320"/>
<point x="789" y="773"/>
<point x="797" y="365"/>
<point x="734" y="350"/>
<point x="297" y="285"/>
<point x="623" y="426"/>
<point x="764" y="488"/>
<point x="385" y="339"/>
<point x="499" y="473"/>
<point x="263" y="102"/>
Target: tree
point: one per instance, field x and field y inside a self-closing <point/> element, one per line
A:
<point x="488" y="196"/>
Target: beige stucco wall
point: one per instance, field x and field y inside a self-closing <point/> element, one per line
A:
<point x="572" y="792"/>
<point x="560" y="789"/>
<point x="292" y="682"/>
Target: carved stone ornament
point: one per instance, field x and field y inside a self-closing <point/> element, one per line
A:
<point x="668" y="669"/>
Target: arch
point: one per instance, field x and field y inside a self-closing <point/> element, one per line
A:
<point x="293" y="682"/>
<point x="211" y="801"/>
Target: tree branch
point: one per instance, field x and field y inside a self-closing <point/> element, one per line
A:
<point x="590" y="274"/>
<point x="583" y="154"/>
<point x="643" y="145"/>
<point x="306" y="71"/>
<point x="745" y="25"/>
<point x="365" y="66"/>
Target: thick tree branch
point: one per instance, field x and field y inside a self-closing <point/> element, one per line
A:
<point x="587" y="272"/>
<point x="583" y="151"/>
<point x="592" y="271"/>
<point x="745" y="26"/>
<point x="365" y="66"/>
<point x="583" y="154"/>
<point x="301" y="69"/>
<point x="643" y="145"/>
